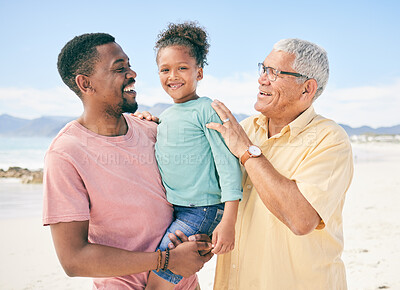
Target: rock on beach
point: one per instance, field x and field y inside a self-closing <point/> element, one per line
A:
<point x="26" y="175"/>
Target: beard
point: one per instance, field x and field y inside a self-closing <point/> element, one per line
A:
<point x="129" y="107"/>
<point x="116" y="111"/>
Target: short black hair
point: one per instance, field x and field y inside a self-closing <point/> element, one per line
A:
<point x="79" y="56"/>
<point x="188" y="34"/>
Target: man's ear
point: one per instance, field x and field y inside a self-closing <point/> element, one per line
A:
<point x="200" y="74"/>
<point x="83" y="83"/>
<point x="309" y="89"/>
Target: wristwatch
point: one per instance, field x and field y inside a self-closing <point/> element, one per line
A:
<point x="251" y="152"/>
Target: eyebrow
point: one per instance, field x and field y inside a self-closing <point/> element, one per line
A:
<point x="118" y="61"/>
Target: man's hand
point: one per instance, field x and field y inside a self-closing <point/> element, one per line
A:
<point x="201" y="239"/>
<point x="185" y="259"/>
<point x="146" y="115"/>
<point x="235" y="137"/>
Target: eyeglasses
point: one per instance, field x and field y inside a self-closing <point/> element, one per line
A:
<point x="273" y="73"/>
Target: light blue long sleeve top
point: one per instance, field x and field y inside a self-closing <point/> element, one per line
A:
<point x="196" y="167"/>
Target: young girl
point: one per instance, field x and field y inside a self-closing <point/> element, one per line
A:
<point x="201" y="177"/>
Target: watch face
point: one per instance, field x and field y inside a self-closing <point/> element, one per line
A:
<point x="254" y="150"/>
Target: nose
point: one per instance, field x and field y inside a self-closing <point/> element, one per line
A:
<point x="131" y="74"/>
<point x="263" y="79"/>
<point x="172" y="74"/>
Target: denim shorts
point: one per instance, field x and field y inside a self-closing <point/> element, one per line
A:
<point x="190" y="220"/>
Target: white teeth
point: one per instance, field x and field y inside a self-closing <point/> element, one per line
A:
<point x="175" y="86"/>
<point x="129" y="89"/>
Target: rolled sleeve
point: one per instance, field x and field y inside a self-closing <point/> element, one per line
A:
<point x="227" y="165"/>
<point x="324" y="177"/>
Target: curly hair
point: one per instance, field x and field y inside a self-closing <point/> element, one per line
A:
<point x="79" y="56"/>
<point x="188" y="34"/>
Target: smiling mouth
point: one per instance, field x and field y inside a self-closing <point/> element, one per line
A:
<point x="130" y="88"/>
<point x="265" y="94"/>
<point x="175" y="86"/>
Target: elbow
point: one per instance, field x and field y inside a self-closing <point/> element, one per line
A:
<point x="70" y="271"/>
<point x="71" y="267"/>
<point x="302" y="228"/>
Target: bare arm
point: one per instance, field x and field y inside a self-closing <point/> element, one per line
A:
<point x="279" y="194"/>
<point x="81" y="258"/>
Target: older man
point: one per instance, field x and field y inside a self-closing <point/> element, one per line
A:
<point x="103" y="196"/>
<point x="289" y="231"/>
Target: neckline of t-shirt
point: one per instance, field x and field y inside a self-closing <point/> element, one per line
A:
<point x="188" y="103"/>
<point x="115" y="139"/>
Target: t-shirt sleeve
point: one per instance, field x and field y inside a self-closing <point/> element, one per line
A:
<point x="227" y="165"/>
<point x="324" y="176"/>
<point x="65" y="196"/>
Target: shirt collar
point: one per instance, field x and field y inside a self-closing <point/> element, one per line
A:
<point x="294" y="128"/>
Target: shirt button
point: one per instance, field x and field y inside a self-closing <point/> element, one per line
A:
<point x="249" y="186"/>
<point x="233" y="266"/>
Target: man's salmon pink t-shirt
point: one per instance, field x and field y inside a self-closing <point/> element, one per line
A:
<point x="113" y="182"/>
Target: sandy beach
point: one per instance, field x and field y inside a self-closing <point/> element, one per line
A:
<point x="371" y="221"/>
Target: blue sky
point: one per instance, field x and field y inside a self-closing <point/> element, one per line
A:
<point x="361" y="38"/>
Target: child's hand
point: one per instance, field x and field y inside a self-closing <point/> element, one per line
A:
<point x="223" y="238"/>
<point x="145" y="115"/>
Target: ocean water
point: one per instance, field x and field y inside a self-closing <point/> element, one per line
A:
<point x="23" y="152"/>
<point x="19" y="200"/>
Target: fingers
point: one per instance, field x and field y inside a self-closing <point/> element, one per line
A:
<point x="222" y="111"/>
<point x="207" y="257"/>
<point x="137" y="114"/>
<point x="181" y="236"/>
<point x="216" y="126"/>
<point x="217" y="248"/>
<point x="145" y="115"/>
<point x="222" y="249"/>
<point x="203" y="246"/>
<point x="175" y="241"/>
<point x="200" y="238"/>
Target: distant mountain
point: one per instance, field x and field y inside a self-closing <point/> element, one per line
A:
<point x="46" y="126"/>
<point x="49" y="126"/>
<point x="394" y="130"/>
<point x="8" y="124"/>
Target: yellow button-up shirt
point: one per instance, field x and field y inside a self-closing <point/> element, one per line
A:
<point x="316" y="153"/>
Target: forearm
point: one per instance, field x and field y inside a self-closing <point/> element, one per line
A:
<point x="81" y="258"/>
<point x="95" y="260"/>
<point x="230" y="212"/>
<point x="281" y="196"/>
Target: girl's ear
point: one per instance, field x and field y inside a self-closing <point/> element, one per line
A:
<point x="83" y="83"/>
<point x="200" y="73"/>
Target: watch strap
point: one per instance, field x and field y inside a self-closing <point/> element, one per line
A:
<point x="245" y="157"/>
<point x="248" y="155"/>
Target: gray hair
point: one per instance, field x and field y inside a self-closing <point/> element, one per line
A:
<point x="310" y="60"/>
